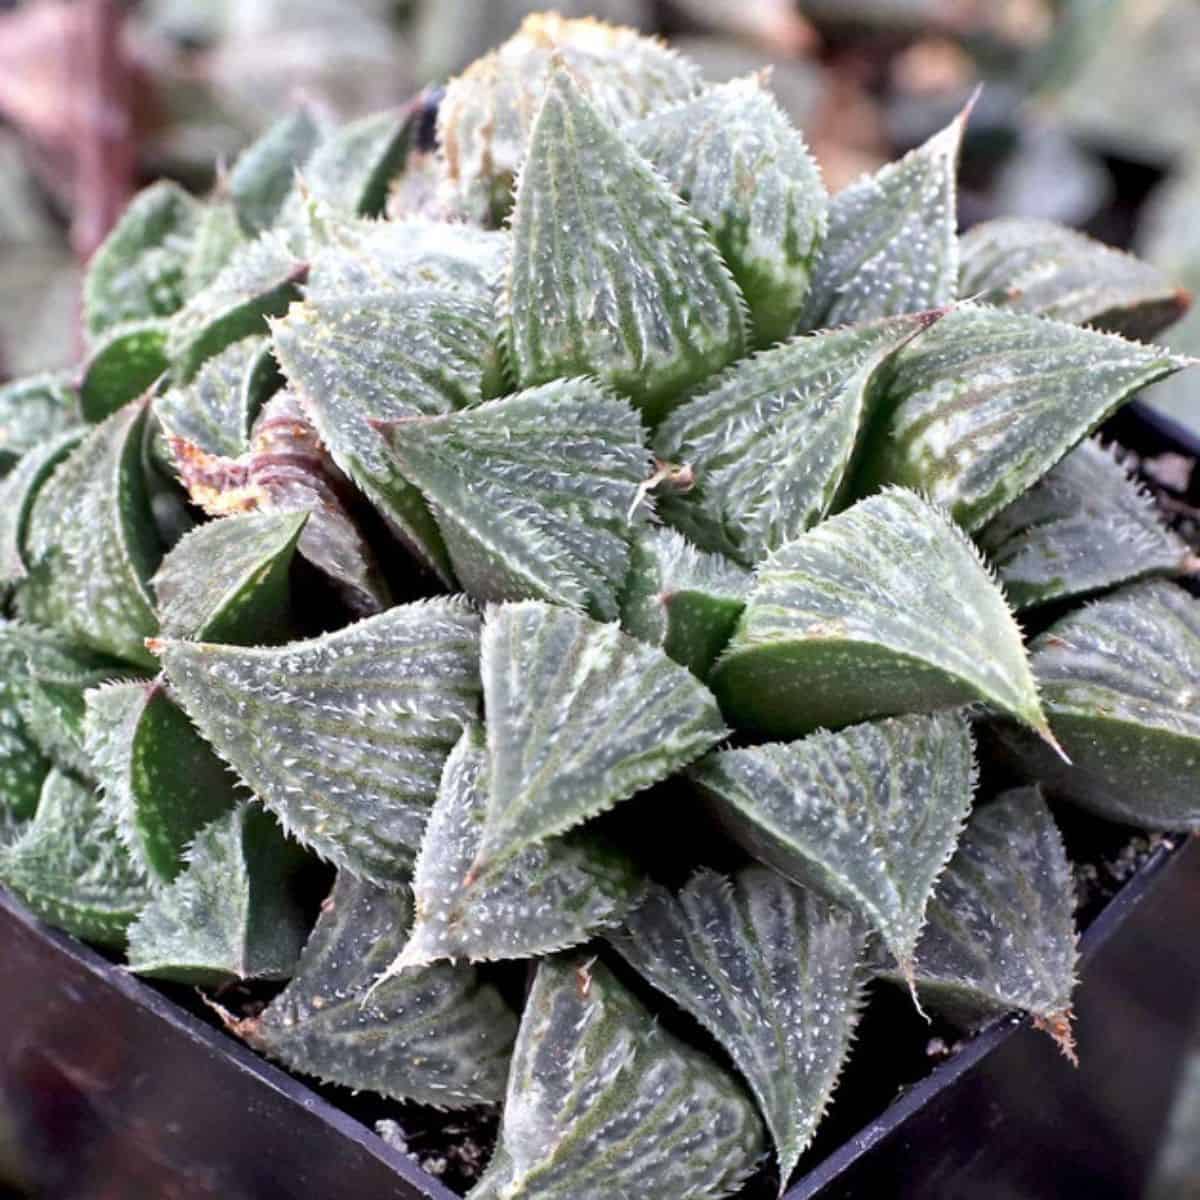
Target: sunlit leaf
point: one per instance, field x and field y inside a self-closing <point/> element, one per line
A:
<point x="265" y="171"/>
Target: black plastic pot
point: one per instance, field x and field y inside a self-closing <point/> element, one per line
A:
<point x="109" y="1091"/>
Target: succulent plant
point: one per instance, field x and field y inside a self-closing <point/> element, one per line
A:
<point x="608" y="569"/>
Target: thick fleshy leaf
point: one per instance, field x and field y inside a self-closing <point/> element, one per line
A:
<point x="746" y="173"/>
<point x="344" y="736"/>
<point x="18" y="491"/>
<point x="33" y="410"/>
<point x="138" y="272"/>
<point x="892" y="242"/>
<point x="260" y="280"/>
<point x="93" y="546"/>
<point x="160" y="780"/>
<point x="1086" y="526"/>
<point x="773" y="972"/>
<point x="771" y="442"/>
<point x="580" y="716"/>
<point x="868" y="816"/>
<point x="1001" y="930"/>
<point x="265" y="171"/>
<point x="215" y="409"/>
<point x="985" y="403"/>
<point x="231" y="913"/>
<point x="552" y="896"/>
<point x="603" y="1102"/>
<point x="485" y="117"/>
<point x="227" y="580"/>
<point x="1119" y="683"/>
<point x="611" y="275"/>
<point x="354" y="359"/>
<point x="681" y="598"/>
<point x="438" y="1035"/>
<point x="534" y="495"/>
<point x="885" y="608"/>
<point x="122" y="366"/>
<point x="1041" y="267"/>
<point x="217" y="238"/>
<point x="70" y="867"/>
<point x="23" y="767"/>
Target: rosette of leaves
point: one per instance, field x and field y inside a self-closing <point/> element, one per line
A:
<point x="656" y="475"/>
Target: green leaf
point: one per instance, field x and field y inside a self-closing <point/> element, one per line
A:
<point x="70" y="867"/>
<point x="31" y="411"/>
<point x="892" y="244"/>
<point x="746" y="173"/>
<point x="580" y="717"/>
<point x="218" y="237"/>
<point x="18" y="491"/>
<point x="343" y="736"/>
<point x="353" y="360"/>
<point x="1041" y="267"/>
<point x="603" y="1102"/>
<point x="438" y="1035"/>
<point x="534" y="495"/>
<point x="553" y="895"/>
<point x="1118" y="680"/>
<point x="771" y="443"/>
<point x="230" y="913"/>
<point x="985" y="403"/>
<point x="773" y="973"/>
<point x="1001" y="934"/>
<point x="93" y="546"/>
<point x="215" y="409"/>
<point x="265" y="171"/>
<point x="681" y="598"/>
<point x="258" y="281"/>
<point x="868" y="816"/>
<point x="1084" y="527"/>
<point x="227" y="580"/>
<point x="618" y="281"/>
<point x="160" y="781"/>
<point x="122" y="366"/>
<point x="485" y="116"/>
<point x="23" y="767"/>
<point x="138" y="272"/>
<point x="885" y="608"/>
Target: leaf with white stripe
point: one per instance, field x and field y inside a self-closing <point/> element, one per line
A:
<point x="343" y="736"/>
<point x="885" y="608"/>
<point x="18" y="492"/>
<point x="618" y="281"/>
<point x="438" y="1035"/>
<point x="23" y="767"/>
<point x="773" y="972"/>
<point x="603" y="1102"/>
<point x="33" y="410"/>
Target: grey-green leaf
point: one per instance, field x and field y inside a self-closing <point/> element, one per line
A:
<point x="552" y="896"/>
<point x="160" y="780"/>
<point x="771" y="442"/>
<point x="534" y="495"/>
<point x="868" y="816"/>
<point x="343" y="736"/>
<point x="746" y="173"/>
<point x="138" y="272"/>
<point x="983" y="405"/>
<point x="70" y="867"/>
<point x="885" y="608"/>
<point x="680" y="598"/>
<point x="1040" y="267"/>
<point x="1001" y="931"/>
<point x="438" y="1035"/>
<point x="1084" y="527"/>
<point x="265" y="171"/>
<point x="773" y="972"/>
<point x="892" y="243"/>
<point x="1119" y="683"/>
<point x="580" y="716"/>
<point x="231" y="913"/>
<point x="227" y="580"/>
<point x="217" y="238"/>
<point x="31" y="411"/>
<point x="23" y="767"/>
<point x="122" y="366"/>
<point x="603" y="1102"/>
<point x="618" y="280"/>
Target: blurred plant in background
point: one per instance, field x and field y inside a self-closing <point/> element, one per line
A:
<point x="99" y="96"/>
